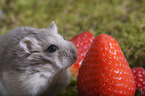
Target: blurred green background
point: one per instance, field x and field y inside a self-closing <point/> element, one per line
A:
<point x="122" y="19"/>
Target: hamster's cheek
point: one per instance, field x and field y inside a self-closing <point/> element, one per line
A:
<point x="34" y="56"/>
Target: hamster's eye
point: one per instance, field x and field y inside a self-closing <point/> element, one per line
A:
<point x="52" y="48"/>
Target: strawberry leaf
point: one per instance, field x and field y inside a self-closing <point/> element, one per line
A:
<point x="138" y="92"/>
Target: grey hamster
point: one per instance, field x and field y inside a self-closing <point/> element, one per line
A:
<point x="35" y="61"/>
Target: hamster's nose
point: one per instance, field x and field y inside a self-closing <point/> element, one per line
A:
<point x="74" y="52"/>
<point x="75" y="57"/>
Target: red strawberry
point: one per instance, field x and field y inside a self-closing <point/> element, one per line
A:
<point x="139" y="76"/>
<point x="82" y="42"/>
<point x="105" y="70"/>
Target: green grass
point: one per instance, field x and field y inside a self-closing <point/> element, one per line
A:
<point x="122" y="19"/>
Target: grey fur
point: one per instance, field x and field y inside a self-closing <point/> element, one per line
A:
<point x="27" y="69"/>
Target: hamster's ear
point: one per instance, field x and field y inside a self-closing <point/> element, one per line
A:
<point x="28" y="44"/>
<point x="53" y="27"/>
